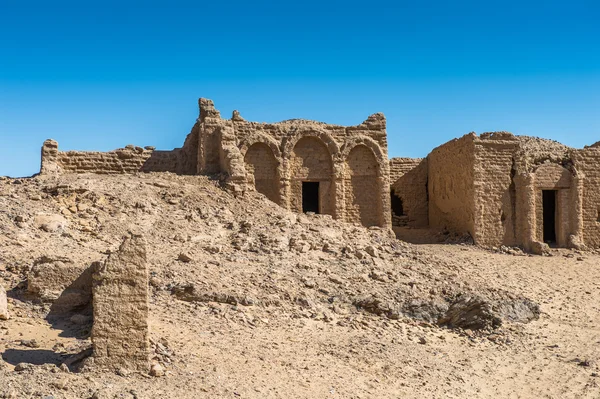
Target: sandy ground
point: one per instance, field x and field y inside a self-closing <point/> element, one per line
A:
<point x="220" y="350"/>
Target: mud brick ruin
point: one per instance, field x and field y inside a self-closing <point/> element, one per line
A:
<point x="499" y="188"/>
<point x="120" y="329"/>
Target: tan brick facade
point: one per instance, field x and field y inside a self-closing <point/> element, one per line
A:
<point x="341" y="171"/>
<point x="498" y="188"/>
<point x="511" y="190"/>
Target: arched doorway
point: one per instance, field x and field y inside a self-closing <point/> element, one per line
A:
<point x="362" y="189"/>
<point x="311" y="172"/>
<point x="261" y="170"/>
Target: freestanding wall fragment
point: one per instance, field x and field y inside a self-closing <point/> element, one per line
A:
<point x="3" y="304"/>
<point x="120" y="297"/>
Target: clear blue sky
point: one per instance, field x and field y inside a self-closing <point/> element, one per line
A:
<point x="97" y="75"/>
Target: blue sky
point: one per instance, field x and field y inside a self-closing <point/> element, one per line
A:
<point x="97" y="75"/>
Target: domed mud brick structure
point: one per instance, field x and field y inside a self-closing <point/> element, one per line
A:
<point x="497" y="188"/>
<point x="302" y="165"/>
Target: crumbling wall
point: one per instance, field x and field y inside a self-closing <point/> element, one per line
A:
<point x="451" y="185"/>
<point x="494" y="189"/>
<point x="209" y="145"/>
<point x="292" y="152"/>
<point x="120" y="300"/>
<point x="362" y="188"/>
<point x="130" y="159"/>
<point x="399" y="166"/>
<point x="409" y="183"/>
<point x="586" y="162"/>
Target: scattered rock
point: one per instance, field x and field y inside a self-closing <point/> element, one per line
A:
<point x="23" y="367"/>
<point x="157" y="370"/>
<point x="30" y="343"/>
<point x="185" y="258"/>
<point x="371" y="250"/>
<point x="471" y="313"/>
<point x="540" y="248"/>
<point x="50" y="223"/>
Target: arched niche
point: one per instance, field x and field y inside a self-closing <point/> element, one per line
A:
<point x="261" y="170"/>
<point x="363" y="195"/>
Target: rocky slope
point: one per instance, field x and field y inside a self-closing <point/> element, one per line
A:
<point x="242" y="292"/>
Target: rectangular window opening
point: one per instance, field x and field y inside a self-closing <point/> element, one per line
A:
<point x="310" y="197"/>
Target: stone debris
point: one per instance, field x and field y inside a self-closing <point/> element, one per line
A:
<point x="50" y="223"/>
<point x="471" y="313"/>
<point x="256" y="268"/>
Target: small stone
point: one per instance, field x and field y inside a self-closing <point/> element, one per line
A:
<point x="422" y="340"/>
<point x="371" y="250"/>
<point x="185" y="258"/>
<point x="157" y="370"/>
<point x="213" y="249"/>
<point x="30" y="343"/>
<point x="23" y="367"/>
<point x="80" y="319"/>
<point x="335" y="279"/>
<point x="155" y="282"/>
<point x="309" y="283"/>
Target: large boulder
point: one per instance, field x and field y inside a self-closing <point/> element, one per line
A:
<point x="60" y="281"/>
<point x="540" y="248"/>
<point x="50" y="223"/>
<point x="475" y="313"/>
<point x="471" y="313"/>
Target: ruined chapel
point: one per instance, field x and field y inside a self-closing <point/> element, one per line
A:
<point x="498" y="188"/>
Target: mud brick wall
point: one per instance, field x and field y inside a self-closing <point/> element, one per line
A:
<point x="130" y="159"/>
<point x="361" y="186"/>
<point x="123" y="160"/>
<point x="272" y="158"/>
<point x="552" y="176"/>
<point x="311" y="161"/>
<point x="399" y="166"/>
<point x="494" y="190"/>
<point x="349" y="162"/>
<point x="587" y="163"/>
<point x="451" y="189"/>
<point x="408" y="177"/>
<point x="120" y="301"/>
<point x="261" y="166"/>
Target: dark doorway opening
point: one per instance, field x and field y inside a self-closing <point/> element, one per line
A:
<point x="549" y="210"/>
<point x="310" y="196"/>
<point x="397" y="206"/>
